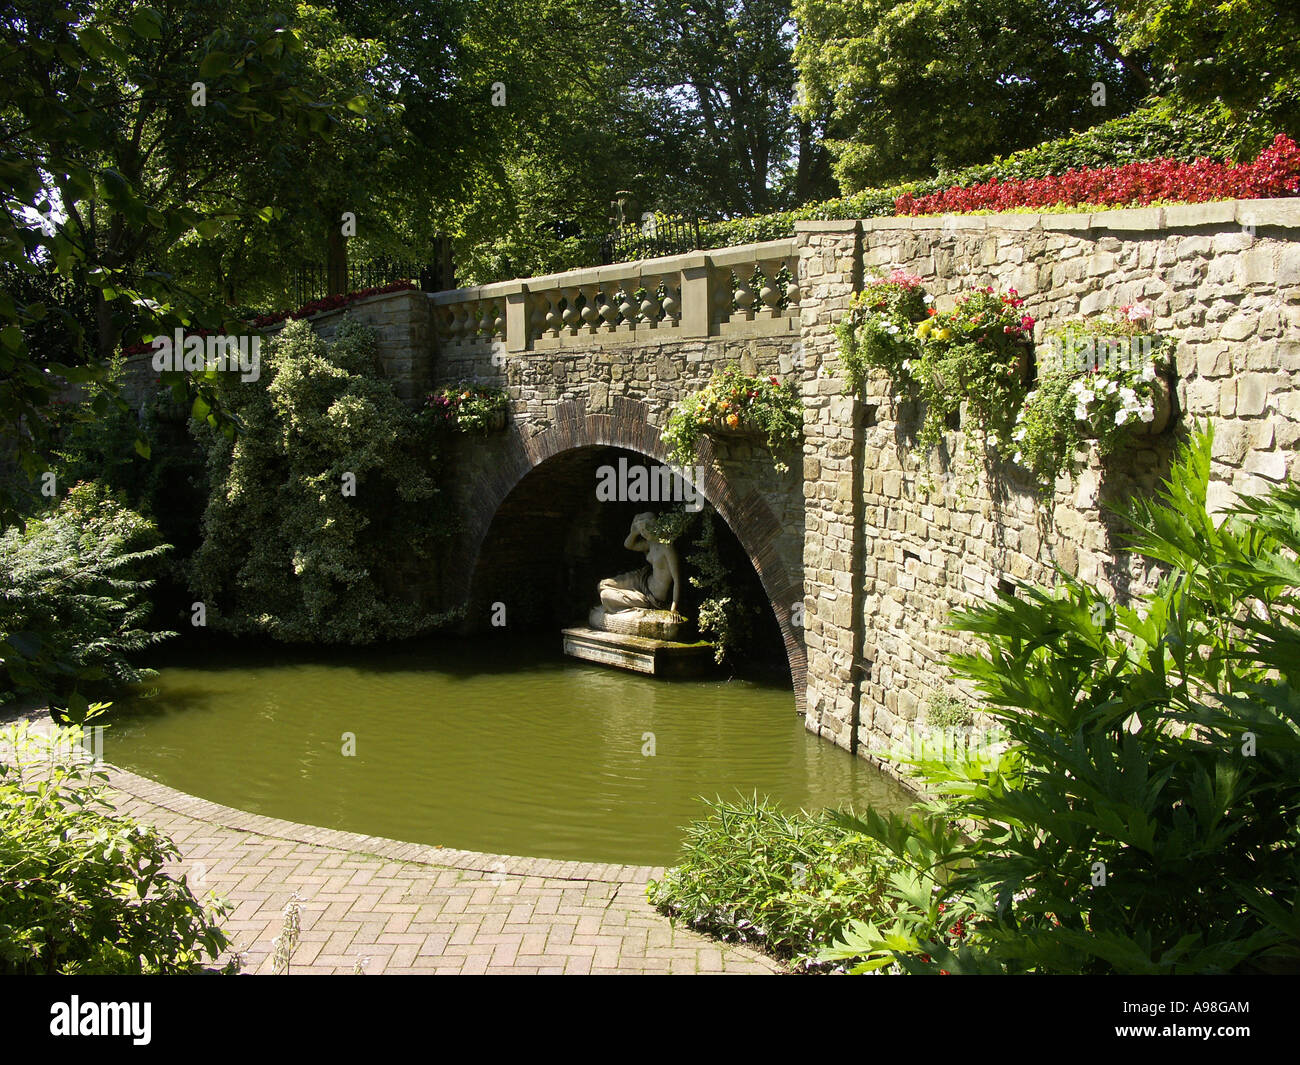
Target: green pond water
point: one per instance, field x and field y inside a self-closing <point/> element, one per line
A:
<point x="507" y="749"/>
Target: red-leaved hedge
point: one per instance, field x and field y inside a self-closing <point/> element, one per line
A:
<point x="1275" y="173"/>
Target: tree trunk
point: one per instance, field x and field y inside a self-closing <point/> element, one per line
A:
<point x="336" y="261"/>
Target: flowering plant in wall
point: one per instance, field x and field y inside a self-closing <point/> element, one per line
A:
<point x="1105" y="378"/>
<point x="468" y="408"/>
<point x="879" y="330"/>
<point x="733" y="402"/>
<point x="978" y="353"/>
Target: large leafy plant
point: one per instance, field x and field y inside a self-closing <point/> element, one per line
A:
<point x="84" y="890"/>
<point x="1143" y="816"/>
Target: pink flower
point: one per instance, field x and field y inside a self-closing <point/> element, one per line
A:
<point x="1027" y="322"/>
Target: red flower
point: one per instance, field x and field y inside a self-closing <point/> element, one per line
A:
<point x="1027" y="322"/>
<point x="1275" y="173"/>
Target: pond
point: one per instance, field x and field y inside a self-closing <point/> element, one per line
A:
<point x="506" y="748"/>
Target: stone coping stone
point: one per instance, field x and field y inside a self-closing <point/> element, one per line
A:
<point x="169" y="798"/>
<point x="1282" y="212"/>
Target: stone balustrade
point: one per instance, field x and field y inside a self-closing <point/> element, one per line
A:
<point x="749" y="290"/>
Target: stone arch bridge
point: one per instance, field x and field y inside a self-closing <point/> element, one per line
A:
<point x="593" y="360"/>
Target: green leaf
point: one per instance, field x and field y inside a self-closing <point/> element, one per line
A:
<point x="147" y="23"/>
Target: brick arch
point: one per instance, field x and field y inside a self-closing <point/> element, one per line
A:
<point x="750" y="518"/>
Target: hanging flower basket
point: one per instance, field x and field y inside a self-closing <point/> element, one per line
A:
<point x="737" y="406"/>
<point x="468" y="408"/>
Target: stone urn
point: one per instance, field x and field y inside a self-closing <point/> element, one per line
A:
<point x="1163" y="403"/>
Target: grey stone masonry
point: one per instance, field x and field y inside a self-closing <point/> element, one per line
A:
<point x="885" y="563"/>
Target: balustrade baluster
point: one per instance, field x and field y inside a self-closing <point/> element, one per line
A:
<point x="792" y="291"/>
<point x="570" y="312"/>
<point x="770" y="292"/>
<point x="608" y="308"/>
<point x="626" y="308"/>
<point x="590" y="315"/>
<point x="650" y="301"/>
<point x="744" y="295"/>
<point x="672" y="303"/>
<point x="552" y="317"/>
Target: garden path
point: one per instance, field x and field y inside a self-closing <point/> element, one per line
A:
<point x="395" y="907"/>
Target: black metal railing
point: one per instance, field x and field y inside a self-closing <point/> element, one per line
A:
<point x="665" y="236"/>
<point x="311" y="282"/>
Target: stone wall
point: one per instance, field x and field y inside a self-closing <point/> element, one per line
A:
<point x="884" y="563"/>
<point x="401" y="321"/>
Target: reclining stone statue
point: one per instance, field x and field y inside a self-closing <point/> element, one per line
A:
<point x="643" y="602"/>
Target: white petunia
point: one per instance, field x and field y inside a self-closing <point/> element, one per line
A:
<point x="1147" y="413"/>
<point x="1121" y="416"/>
<point x="1081" y="412"/>
<point x="1148" y="371"/>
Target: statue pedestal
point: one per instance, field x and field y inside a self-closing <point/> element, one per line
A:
<point x="659" y="658"/>
<point x="648" y="624"/>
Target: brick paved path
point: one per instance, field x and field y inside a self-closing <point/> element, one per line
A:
<point x="409" y="908"/>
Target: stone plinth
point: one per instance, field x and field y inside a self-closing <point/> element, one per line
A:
<point x="650" y="624"/>
<point x="659" y="658"/>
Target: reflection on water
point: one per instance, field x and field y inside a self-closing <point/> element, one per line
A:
<point x="494" y="748"/>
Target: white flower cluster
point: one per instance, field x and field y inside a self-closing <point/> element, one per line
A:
<point x="1103" y="386"/>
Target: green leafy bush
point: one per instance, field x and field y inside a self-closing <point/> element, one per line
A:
<point x="75" y="600"/>
<point x="789" y="883"/>
<point x="1145" y="814"/>
<point x="734" y="402"/>
<point x="84" y="890"/>
<point x="320" y="516"/>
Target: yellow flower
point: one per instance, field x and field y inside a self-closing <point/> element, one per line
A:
<point x="945" y="333"/>
<point x="924" y="328"/>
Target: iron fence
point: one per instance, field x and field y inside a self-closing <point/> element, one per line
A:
<point x="311" y="282"/>
<point x="663" y="236"/>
